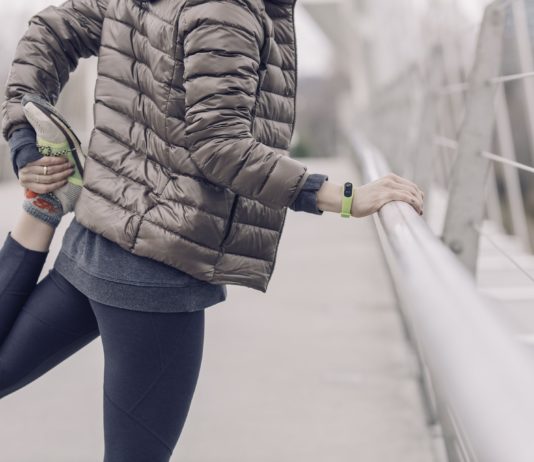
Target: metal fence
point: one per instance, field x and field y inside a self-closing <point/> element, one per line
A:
<point x="460" y="123"/>
<point x="477" y="379"/>
<point x="446" y="123"/>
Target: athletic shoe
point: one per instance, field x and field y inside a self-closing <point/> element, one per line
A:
<point x="55" y="137"/>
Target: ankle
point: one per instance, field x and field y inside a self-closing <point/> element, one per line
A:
<point x="45" y="207"/>
<point x="33" y="233"/>
<point x="25" y="246"/>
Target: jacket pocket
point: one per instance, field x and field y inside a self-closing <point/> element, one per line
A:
<point x="229" y="222"/>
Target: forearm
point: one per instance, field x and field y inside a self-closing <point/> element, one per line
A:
<point x="247" y="167"/>
<point x="320" y="195"/>
<point x="306" y="199"/>
<point x="222" y="46"/>
<point x="56" y="38"/>
<point x="329" y="197"/>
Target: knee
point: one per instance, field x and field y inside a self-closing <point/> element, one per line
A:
<point x="9" y="380"/>
<point x="4" y="380"/>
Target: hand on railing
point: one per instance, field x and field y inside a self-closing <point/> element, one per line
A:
<point x="370" y="197"/>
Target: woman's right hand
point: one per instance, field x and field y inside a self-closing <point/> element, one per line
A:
<point x="32" y="176"/>
<point x="370" y="197"/>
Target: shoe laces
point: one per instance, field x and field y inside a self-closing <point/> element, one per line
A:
<point x="47" y="151"/>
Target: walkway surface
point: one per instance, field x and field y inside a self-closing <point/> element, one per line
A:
<point x="317" y="369"/>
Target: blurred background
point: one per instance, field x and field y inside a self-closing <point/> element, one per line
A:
<point x="391" y="337"/>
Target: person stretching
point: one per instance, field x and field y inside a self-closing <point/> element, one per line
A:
<point x="185" y="187"/>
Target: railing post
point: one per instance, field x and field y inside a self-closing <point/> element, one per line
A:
<point x="425" y="151"/>
<point x="511" y="175"/>
<point x="526" y="64"/>
<point x="465" y="208"/>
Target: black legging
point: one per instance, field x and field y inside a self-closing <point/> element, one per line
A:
<point x="152" y="360"/>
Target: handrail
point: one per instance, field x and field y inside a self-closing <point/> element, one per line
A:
<point x="481" y="377"/>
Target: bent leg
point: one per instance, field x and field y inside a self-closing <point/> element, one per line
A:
<point x="152" y="363"/>
<point x="55" y="321"/>
<point x="20" y="268"/>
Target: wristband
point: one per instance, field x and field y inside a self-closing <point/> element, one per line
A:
<point x="346" y="202"/>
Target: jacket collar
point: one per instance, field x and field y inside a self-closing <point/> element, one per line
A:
<point x="275" y="2"/>
<point x="281" y="2"/>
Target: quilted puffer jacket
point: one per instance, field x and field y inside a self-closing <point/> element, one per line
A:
<point x="194" y="111"/>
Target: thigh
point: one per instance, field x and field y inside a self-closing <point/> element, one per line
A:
<point x="152" y="363"/>
<point x="56" y="321"/>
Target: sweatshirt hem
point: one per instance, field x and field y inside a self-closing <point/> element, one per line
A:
<point x="135" y="297"/>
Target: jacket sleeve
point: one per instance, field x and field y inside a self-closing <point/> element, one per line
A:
<point x="306" y="200"/>
<point x="56" y="38"/>
<point x="23" y="147"/>
<point x="222" y="43"/>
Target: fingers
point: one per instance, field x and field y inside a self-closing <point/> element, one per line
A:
<point x="407" y="196"/>
<point x="409" y="184"/>
<point x="36" y="178"/>
<point x="58" y="169"/>
<point x="29" y="170"/>
<point x="48" y="160"/>
<point x="399" y="188"/>
<point x="41" y="188"/>
<point x="32" y="176"/>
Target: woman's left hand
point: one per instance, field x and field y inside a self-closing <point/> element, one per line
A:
<point x="32" y="176"/>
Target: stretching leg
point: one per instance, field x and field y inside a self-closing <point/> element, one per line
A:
<point x="22" y="258"/>
<point x="20" y="268"/>
<point x="40" y="325"/>
<point x="152" y="363"/>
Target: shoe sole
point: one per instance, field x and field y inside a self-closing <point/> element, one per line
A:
<point x="73" y="141"/>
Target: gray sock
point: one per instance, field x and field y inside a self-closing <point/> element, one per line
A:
<point x="46" y="207"/>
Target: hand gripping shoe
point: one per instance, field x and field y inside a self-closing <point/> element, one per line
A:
<point x="55" y="137"/>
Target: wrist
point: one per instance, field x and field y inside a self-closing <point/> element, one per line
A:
<point x="329" y="197"/>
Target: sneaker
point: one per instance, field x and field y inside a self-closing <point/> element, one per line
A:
<point x="55" y="137"/>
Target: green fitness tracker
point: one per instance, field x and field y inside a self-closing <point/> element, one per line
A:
<point x="346" y="203"/>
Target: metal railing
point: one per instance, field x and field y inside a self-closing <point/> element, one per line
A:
<point x="453" y="129"/>
<point x="464" y="138"/>
<point x="478" y="379"/>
